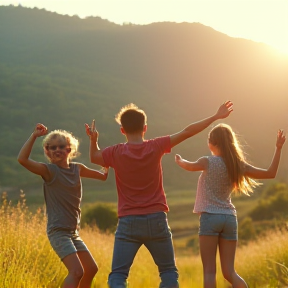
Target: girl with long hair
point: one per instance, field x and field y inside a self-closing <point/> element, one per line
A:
<point x="224" y="172"/>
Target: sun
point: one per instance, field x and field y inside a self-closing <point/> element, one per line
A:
<point x="278" y="44"/>
<point x="282" y="49"/>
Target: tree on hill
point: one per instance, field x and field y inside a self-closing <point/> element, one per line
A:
<point x="64" y="71"/>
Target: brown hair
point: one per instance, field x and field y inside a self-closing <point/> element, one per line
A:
<point x="226" y="140"/>
<point x="131" y="118"/>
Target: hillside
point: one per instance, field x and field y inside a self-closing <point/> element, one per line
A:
<point x="64" y="71"/>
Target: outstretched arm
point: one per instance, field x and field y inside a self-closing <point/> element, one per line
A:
<point x="94" y="174"/>
<point x="199" y="165"/>
<point x="24" y="154"/>
<point x="95" y="152"/>
<point x="259" y="173"/>
<point x="223" y="111"/>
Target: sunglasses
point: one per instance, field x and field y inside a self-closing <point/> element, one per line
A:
<point x="54" y="147"/>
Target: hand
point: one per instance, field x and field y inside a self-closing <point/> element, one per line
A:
<point x="281" y="138"/>
<point x="178" y="158"/>
<point x="224" y="110"/>
<point x="105" y="170"/>
<point x="40" y="130"/>
<point x="91" y="131"/>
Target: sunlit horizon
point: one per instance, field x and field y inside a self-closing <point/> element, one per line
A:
<point x="259" y="21"/>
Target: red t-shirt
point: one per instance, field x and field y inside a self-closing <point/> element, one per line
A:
<point x="138" y="174"/>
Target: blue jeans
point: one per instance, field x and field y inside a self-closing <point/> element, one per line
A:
<point x="153" y="231"/>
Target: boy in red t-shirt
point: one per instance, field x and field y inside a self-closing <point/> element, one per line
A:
<point x="142" y="204"/>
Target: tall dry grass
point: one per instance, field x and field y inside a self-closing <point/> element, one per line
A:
<point x="28" y="261"/>
<point x="263" y="263"/>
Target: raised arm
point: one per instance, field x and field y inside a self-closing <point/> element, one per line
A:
<point x="259" y="173"/>
<point x="199" y="165"/>
<point x="95" y="152"/>
<point x="223" y="111"/>
<point x="24" y="154"/>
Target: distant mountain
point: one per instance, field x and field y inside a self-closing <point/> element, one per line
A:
<point x="64" y="71"/>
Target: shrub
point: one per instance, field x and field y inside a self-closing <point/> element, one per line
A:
<point x="274" y="189"/>
<point x="273" y="207"/>
<point x="246" y="230"/>
<point x="103" y="215"/>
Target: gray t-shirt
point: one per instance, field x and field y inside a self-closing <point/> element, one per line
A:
<point x="63" y="197"/>
<point x="214" y="189"/>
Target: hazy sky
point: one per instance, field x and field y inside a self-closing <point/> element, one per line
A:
<point x="258" y="20"/>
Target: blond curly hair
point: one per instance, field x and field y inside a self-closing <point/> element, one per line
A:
<point x="71" y="141"/>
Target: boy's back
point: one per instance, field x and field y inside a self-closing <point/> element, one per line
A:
<point x="138" y="174"/>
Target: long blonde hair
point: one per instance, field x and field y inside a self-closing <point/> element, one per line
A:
<point x="226" y="141"/>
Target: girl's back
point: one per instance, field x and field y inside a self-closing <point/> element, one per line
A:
<point x="214" y="189"/>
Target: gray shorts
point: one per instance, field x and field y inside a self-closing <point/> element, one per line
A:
<point x="222" y="225"/>
<point x="65" y="242"/>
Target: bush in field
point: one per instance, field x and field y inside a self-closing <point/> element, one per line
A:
<point x="246" y="230"/>
<point x="273" y="204"/>
<point x="103" y="215"/>
<point x="274" y="189"/>
<point x="273" y="207"/>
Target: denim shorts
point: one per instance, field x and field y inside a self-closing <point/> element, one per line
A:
<point x="65" y="242"/>
<point x="222" y="225"/>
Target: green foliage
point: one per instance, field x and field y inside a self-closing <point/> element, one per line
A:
<point x="273" y="189"/>
<point x="246" y="230"/>
<point x="102" y="214"/>
<point x="273" y="205"/>
<point x="64" y="71"/>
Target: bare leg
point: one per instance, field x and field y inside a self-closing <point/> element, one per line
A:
<point x="227" y="250"/>
<point x="208" y="249"/>
<point x="90" y="268"/>
<point x="75" y="271"/>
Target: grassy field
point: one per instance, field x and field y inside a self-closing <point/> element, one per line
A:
<point x="182" y="220"/>
<point x="27" y="259"/>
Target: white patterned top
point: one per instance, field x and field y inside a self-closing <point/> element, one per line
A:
<point x="214" y="189"/>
